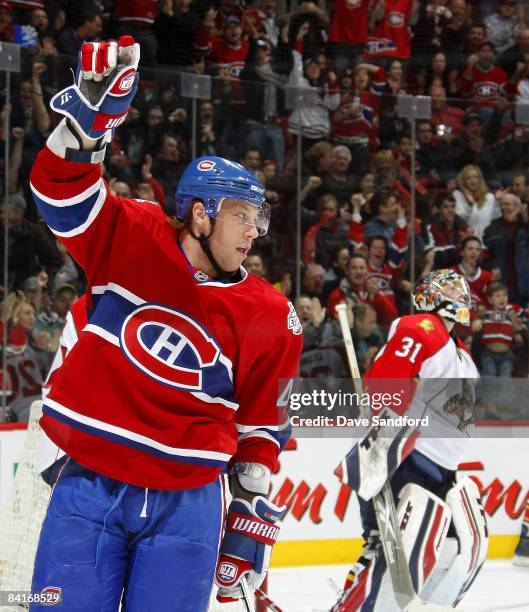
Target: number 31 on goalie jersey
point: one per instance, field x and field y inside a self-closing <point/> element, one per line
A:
<point x="409" y="348"/>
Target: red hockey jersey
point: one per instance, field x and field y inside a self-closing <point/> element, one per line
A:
<point x="136" y="12"/>
<point x="393" y="27"/>
<point x="497" y="325"/>
<point x="477" y="283"/>
<point x="175" y="373"/>
<point x="221" y="53"/>
<point x="484" y="86"/>
<point x="420" y="347"/>
<point x="350" y="22"/>
<point x="25" y="370"/>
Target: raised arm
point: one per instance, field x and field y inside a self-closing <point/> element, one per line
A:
<point x="66" y="177"/>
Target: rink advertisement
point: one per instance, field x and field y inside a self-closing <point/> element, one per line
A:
<point x="322" y="524"/>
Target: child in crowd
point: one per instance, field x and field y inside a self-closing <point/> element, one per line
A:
<point x="500" y="325"/>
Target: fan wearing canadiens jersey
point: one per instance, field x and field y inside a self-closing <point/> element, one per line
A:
<point x="443" y="527"/>
<point x="172" y="381"/>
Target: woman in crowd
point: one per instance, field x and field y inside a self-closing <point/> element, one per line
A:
<point x="475" y="203"/>
<point x="438" y="73"/>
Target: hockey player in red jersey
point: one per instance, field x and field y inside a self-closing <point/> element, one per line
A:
<point x="443" y="526"/>
<point x="172" y="382"/>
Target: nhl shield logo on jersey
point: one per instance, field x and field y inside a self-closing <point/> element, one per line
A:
<point x="170" y="347"/>
<point x="293" y="322"/>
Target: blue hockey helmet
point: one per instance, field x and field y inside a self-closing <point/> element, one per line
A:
<point x="211" y="180"/>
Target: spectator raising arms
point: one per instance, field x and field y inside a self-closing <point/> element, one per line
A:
<point x="326" y="235"/>
<point x="348" y="35"/>
<point x="176" y="28"/>
<point x="312" y="117"/>
<point x="503" y="25"/>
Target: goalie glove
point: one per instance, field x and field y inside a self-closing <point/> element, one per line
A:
<point x="106" y="81"/>
<point x="251" y="531"/>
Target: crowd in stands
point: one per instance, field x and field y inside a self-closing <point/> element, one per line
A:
<point x="353" y="59"/>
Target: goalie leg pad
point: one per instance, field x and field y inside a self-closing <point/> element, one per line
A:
<point x="454" y="577"/>
<point x="424" y="520"/>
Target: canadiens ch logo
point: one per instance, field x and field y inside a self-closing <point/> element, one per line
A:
<point x="200" y="276"/>
<point x="206" y="165"/>
<point x="169" y="346"/>
<point x="396" y="19"/>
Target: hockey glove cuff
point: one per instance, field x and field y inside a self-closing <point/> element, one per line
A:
<point x="251" y="531"/>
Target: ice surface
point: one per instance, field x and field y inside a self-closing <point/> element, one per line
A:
<point x="500" y="587"/>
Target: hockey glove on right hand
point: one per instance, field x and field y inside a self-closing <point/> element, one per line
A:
<point x="106" y="81"/>
<point x="251" y="531"/>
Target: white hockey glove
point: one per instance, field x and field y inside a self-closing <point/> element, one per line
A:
<point x="106" y="81"/>
<point x="251" y="531"/>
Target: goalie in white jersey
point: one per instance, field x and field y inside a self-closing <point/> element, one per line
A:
<point x="441" y="518"/>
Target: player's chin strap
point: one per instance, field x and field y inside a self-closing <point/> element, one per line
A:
<point x="203" y="240"/>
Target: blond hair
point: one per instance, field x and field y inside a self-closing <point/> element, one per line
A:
<point x="461" y="180"/>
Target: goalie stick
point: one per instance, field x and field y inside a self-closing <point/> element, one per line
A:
<point x="247" y="596"/>
<point x="261" y="596"/>
<point x="385" y="510"/>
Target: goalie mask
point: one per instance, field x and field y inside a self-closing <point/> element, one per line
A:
<point x="445" y="292"/>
